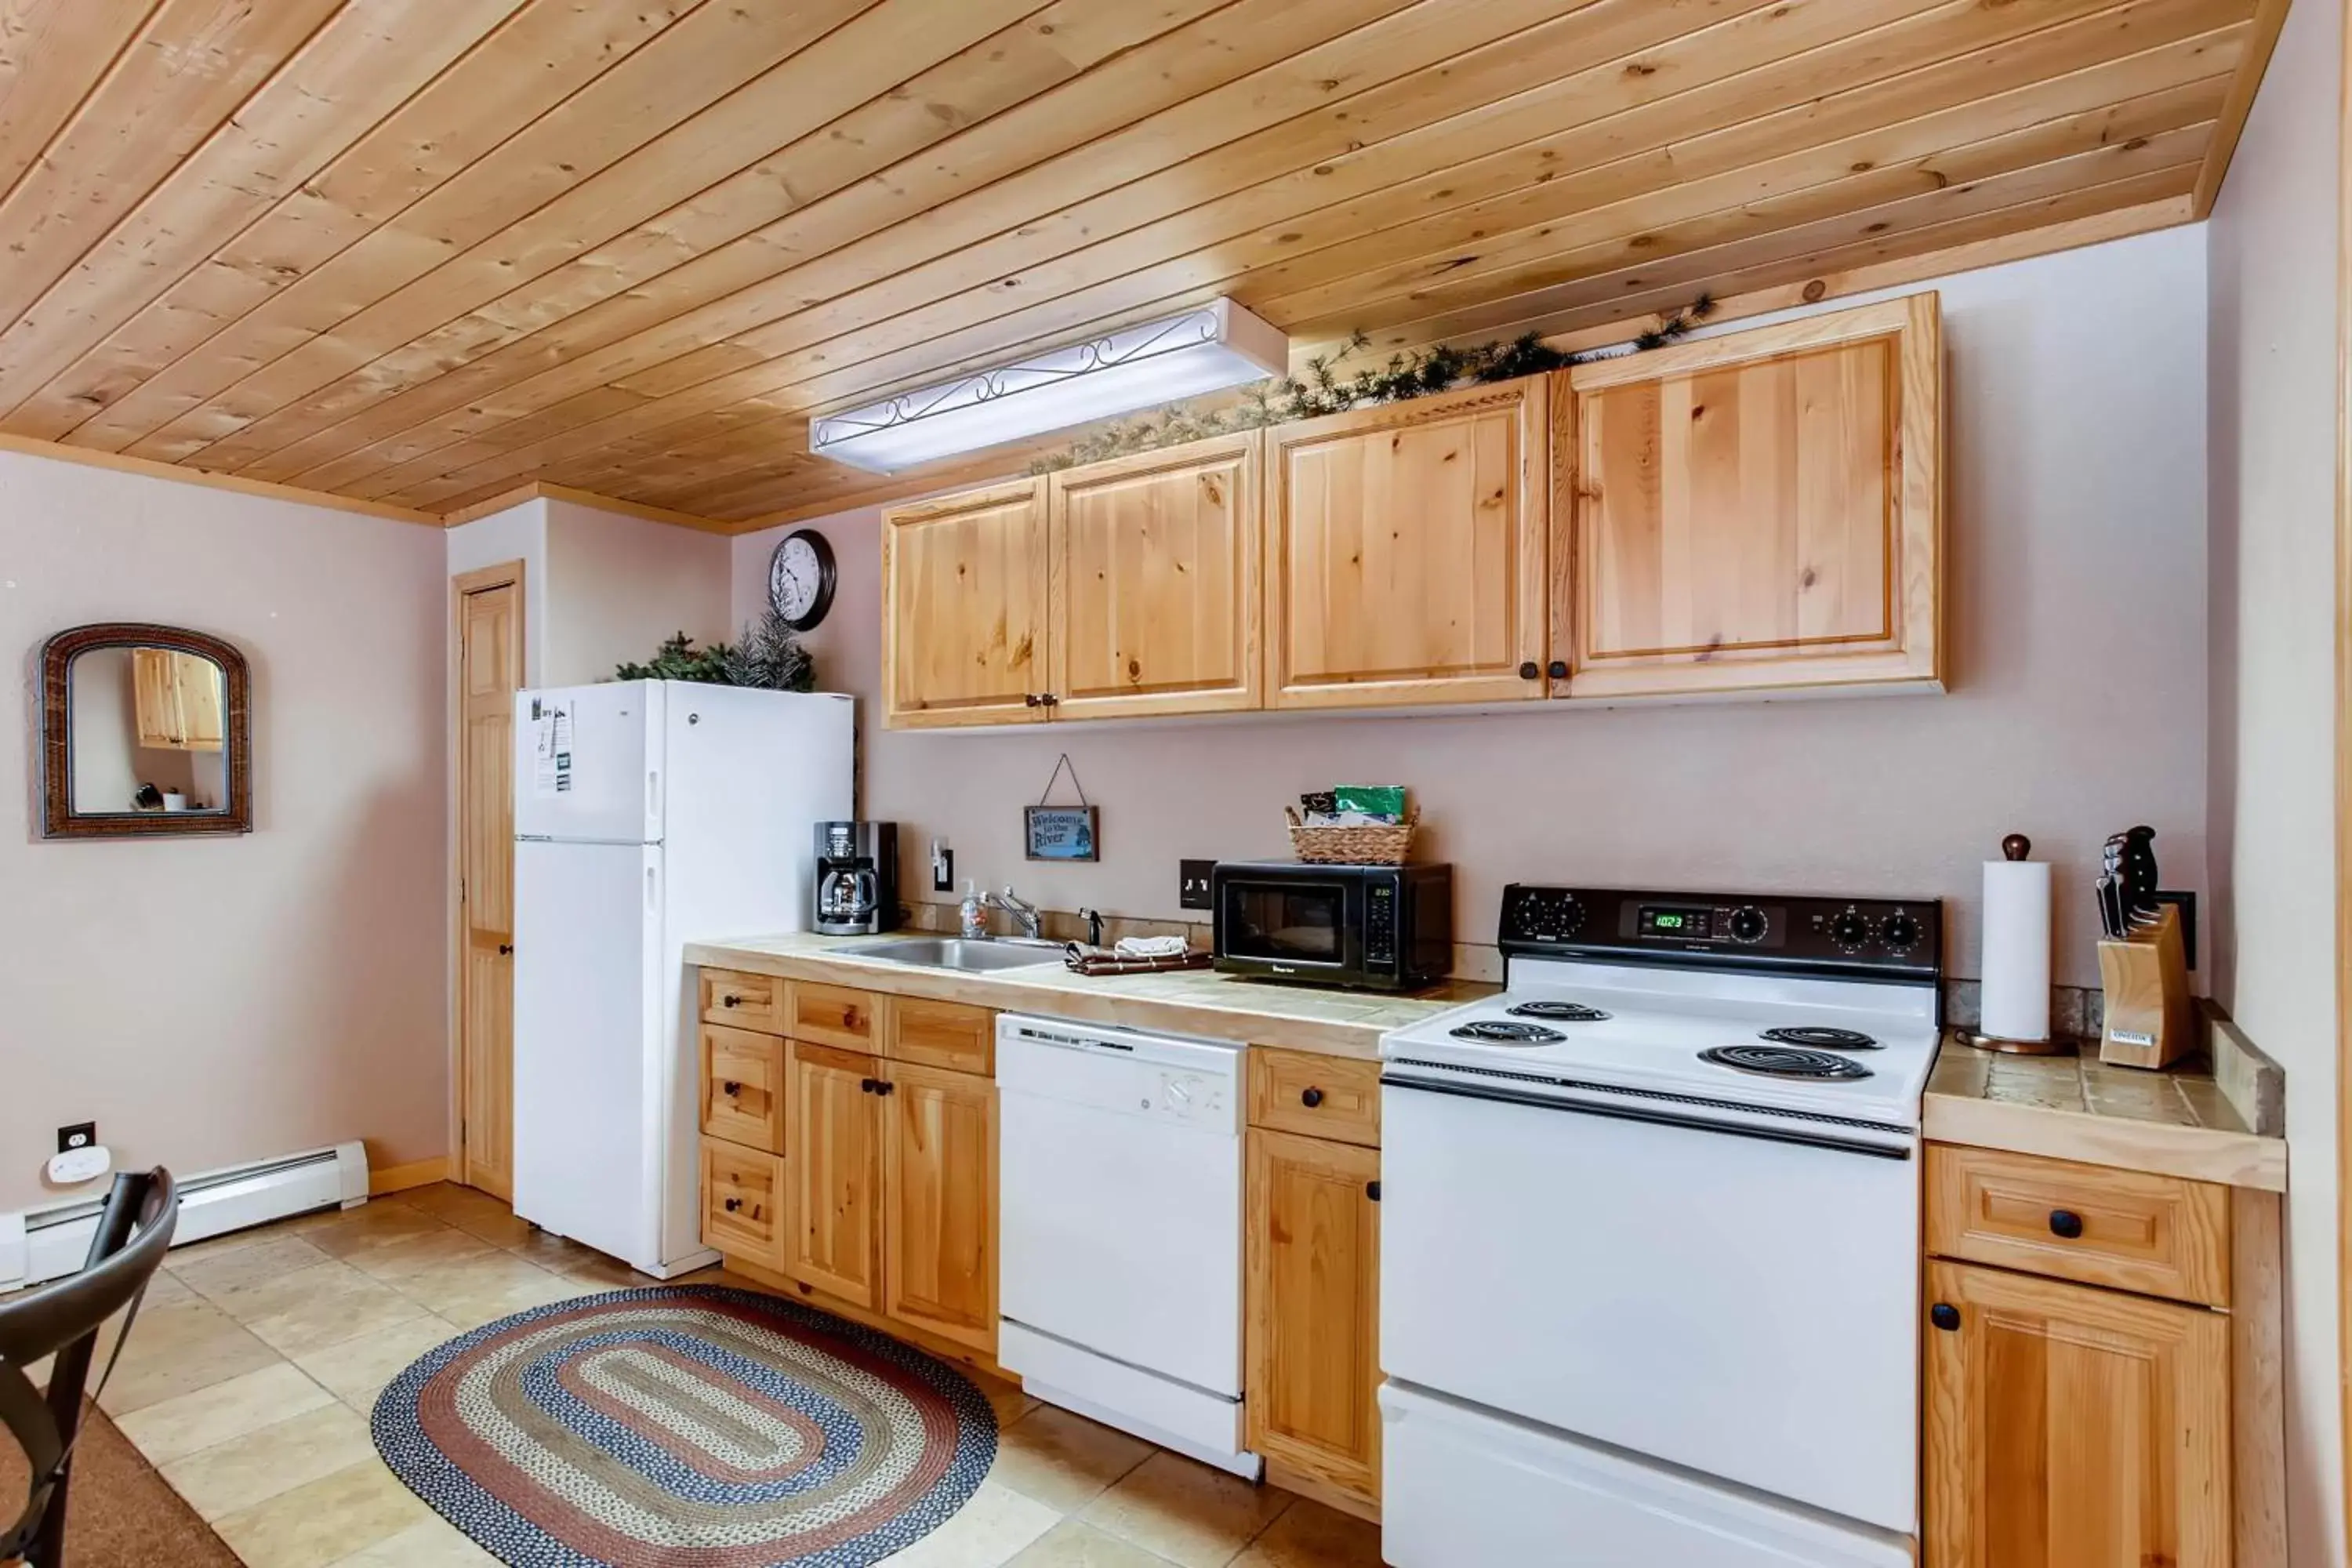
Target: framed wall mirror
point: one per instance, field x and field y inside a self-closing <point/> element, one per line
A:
<point x="146" y="732"/>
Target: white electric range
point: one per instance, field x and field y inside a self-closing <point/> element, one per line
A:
<point x="1650" y="1239"/>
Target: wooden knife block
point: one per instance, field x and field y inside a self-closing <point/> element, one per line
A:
<point x="2148" y="1008"/>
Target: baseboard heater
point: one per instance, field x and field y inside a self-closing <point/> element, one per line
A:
<point x="52" y="1240"/>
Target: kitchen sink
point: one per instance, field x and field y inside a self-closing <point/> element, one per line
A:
<point x="960" y="952"/>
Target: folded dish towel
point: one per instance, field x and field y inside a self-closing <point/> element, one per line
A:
<point x="1085" y="959"/>
<point x="1150" y="947"/>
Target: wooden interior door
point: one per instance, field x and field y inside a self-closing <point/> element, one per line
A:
<point x="1406" y="549"/>
<point x="1758" y="509"/>
<point x="490" y="669"/>
<point x="941" y="1221"/>
<point x="1312" y="1310"/>
<point x="1156" y="601"/>
<point x="2070" y="1426"/>
<point x="964" y="583"/>
<point x="833" y="1172"/>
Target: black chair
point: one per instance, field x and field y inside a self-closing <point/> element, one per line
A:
<point x="63" y="1320"/>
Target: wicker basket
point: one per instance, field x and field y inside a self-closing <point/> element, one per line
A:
<point x="1381" y="845"/>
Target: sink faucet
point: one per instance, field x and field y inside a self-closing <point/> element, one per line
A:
<point x="1094" y="926"/>
<point x="1024" y="915"/>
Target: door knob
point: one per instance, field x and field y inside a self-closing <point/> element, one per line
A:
<point x="1945" y="1316"/>
<point x="2065" y="1224"/>
<point x="1311" y="1097"/>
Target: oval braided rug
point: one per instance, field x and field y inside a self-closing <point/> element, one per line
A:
<point x="686" y="1427"/>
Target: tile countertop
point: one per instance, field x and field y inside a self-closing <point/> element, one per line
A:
<point x="1179" y="1001"/>
<point x="2174" y="1124"/>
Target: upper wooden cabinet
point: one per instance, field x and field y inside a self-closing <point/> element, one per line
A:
<point x="964" y="608"/>
<point x="1751" y="513"/>
<point x="1155" y="600"/>
<point x="1755" y="510"/>
<point x="1405" y="552"/>
<point x="176" y="699"/>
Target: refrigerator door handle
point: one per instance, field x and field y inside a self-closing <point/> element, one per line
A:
<point x="653" y="895"/>
<point x="652" y="795"/>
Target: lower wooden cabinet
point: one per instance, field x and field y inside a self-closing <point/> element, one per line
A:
<point x="834" y="1146"/>
<point x="940" y="1205"/>
<point x="2070" y="1425"/>
<point x="1312" y="1313"/>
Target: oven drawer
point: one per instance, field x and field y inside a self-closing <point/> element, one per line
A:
<point x="2159" y="1235"/>
<point x="1317" y="1095"/>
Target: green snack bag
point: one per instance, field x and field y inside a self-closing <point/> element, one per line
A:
<point x="1383" y="800"/>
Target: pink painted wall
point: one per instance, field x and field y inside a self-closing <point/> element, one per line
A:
<point x="213" y="1000"/>
<point x="2077" y="629"/>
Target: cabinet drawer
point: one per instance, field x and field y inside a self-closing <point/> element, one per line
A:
<point x="831" y="1015"/>
<point x="950" y="1035"/>
<point x="743" y="1001"/>
<point x="1321" y="1096"/>
<point x="2160" y="1236"/>
<point x="743" y="1202"/>
<point x="743" y="1088"/>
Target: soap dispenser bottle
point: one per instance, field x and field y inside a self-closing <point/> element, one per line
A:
<point x="973" y="918"/>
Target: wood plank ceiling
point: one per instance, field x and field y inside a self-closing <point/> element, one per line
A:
<point x="424" y="251"/>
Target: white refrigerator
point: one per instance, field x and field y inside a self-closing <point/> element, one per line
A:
<point x="648" y="814"/>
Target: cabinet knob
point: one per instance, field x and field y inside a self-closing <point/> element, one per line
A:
<point x="1373" y="1190"/>
<point x="2065" y="1224"/>
<point x="1051" y="701"/>
<point x="1557" y="669"/>
<point x="1945" y="1316"/>
<point x="865" y="1086"/>
<point x="1530" y="671"/>
<point x="1311" y="1097"/>
<point x="733" y="1203"/>
<point x="505" y="948"/>
<point x="730" y="1000"/>
<point x="884" y="1087"/>
<point x="730" y="1088"/>
<point x="1031" y="699"/>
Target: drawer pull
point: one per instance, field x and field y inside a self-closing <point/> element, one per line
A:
<point x="730" y="1088"/>
<point x="1945" y="1316"/>
<point x="731" y="1204"/>
<point x="1311" y="1097"/>
<point x="730" y="1000"/>
<point x="2065" y="1224"/>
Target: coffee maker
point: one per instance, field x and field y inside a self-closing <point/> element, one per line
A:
<point x="857" y="878"/>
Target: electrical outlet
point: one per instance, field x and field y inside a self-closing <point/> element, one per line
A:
<point x="80" y="1136"/>
<point x="1192" y="885"/>
<point x="943" y="870"/>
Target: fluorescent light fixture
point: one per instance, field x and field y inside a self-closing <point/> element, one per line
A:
<point x="1205" y="350"/>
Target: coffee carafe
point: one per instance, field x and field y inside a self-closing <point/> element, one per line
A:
<point x="857" y="878"/>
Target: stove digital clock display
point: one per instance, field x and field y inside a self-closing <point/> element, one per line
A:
<point x="1679" y="922"/>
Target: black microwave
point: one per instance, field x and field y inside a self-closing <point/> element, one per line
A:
<point x="1379" y="927"/>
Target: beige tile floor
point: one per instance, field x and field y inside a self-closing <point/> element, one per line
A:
<point x="249" y="1376"/>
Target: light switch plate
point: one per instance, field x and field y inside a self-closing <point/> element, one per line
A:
<point x="1192" y="885"/>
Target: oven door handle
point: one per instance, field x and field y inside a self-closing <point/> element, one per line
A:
<point x="1659" y="1118"/>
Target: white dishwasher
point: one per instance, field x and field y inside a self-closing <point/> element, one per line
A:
<point x="1120" y="1230"/>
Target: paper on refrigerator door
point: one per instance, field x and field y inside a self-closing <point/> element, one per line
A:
<point x="552" y="753"/>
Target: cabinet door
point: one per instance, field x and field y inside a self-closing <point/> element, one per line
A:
<point x="1155" y="582"/>
<point x="835" y="1173"/>
<point x="940" y="1219"/>
<point x="1405" y="552"/>
<point x="1312" y="1314"/>
<point x="199" y="682"/>
<point x="1755" y="510"/>
<point x="155" y="693"/>
<point x="2072" y="1425"/>
<point x="963" y="594"/>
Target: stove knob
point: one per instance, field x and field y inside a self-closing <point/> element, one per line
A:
<point x="1901" y="932"/>
<point x="1567" y="915"/>
<point x="1748" y="924"/>
<point x="1849" y="930"/>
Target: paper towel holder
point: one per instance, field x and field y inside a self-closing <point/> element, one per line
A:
<point x="2017" y="846"/>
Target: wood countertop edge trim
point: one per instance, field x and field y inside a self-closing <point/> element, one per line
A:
<point x="2194" y="1153"/>
<point x="997" y="990"/>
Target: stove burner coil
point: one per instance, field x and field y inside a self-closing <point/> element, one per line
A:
<point x="1784" y="1061"/>
<point x="1822" y="1037"/>
<point x="1559" y="1012"/>
<point x="1503" y="1032"/>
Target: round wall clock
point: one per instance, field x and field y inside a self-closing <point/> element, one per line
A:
<point x="799" y="578"/>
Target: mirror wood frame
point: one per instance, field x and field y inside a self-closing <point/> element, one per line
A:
<point x="58" y="818"/>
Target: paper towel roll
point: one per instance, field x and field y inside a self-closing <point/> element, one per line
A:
<point x="2016" y="1003"/>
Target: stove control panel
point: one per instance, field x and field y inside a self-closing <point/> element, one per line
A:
<point x="1895" y="938"/>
